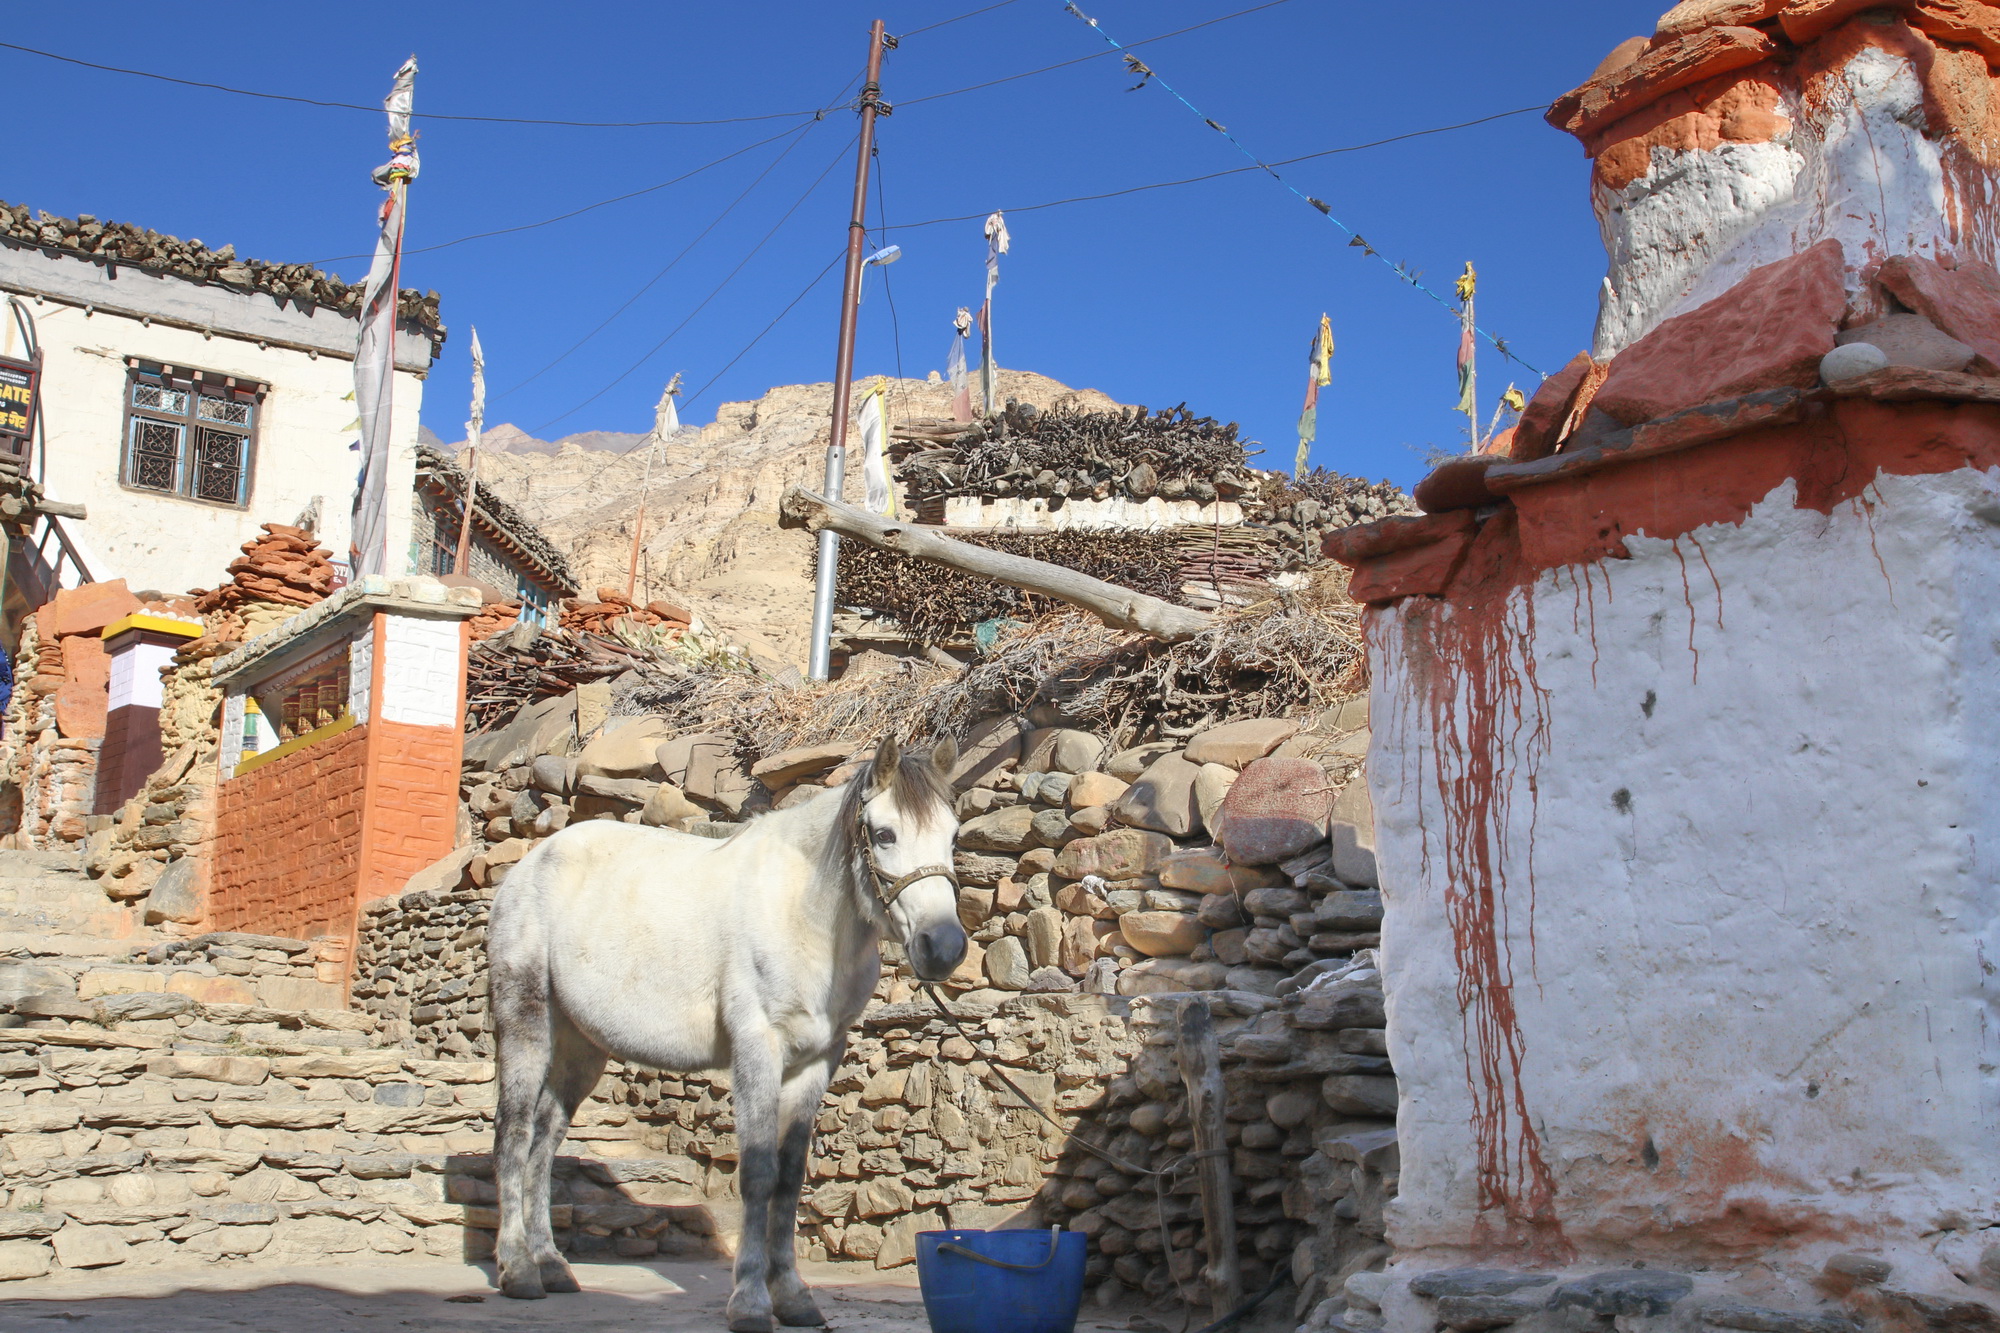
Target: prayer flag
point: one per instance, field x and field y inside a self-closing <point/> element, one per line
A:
<point x="1320" y="372"/>
<point x="375" y="350"/>
<point x="874" y="457"/>
<point x="955" y="371"/>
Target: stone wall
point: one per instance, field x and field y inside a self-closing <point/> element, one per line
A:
<point x="1103" y="891"/>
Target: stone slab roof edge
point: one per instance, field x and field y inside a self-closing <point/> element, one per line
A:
<point x="503" y="515"/>
<point x="413" y="596"/>
<point x="126" y="243"/>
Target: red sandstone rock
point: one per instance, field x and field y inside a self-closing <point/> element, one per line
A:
<point x="1911" y="340"/>
<point x="1767" y="332"/>
<point x="88" y="609"/>
<point x="1965" y="22"/>
<point x="1805" y="20"/>
<point x="1666" y="66"/>
<point x="1963" y="301"/>
<point x="1903" y="384"/>
<point x="84" y="695"/>
<point x="1456" y="483"/>
<point x="1693" y="15"/>
<point x="1541" y="423"/>
<point x="1365" y="541"/>
<point x="1419" y="571"/>
<point x="1275" y="809"/>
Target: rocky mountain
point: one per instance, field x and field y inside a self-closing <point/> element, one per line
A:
<point x="712" y="540"/>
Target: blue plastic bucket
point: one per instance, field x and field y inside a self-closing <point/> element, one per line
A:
<point x="1001" y="1281"/>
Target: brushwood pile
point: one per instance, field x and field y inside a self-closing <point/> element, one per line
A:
<point x="1069" y="458"/>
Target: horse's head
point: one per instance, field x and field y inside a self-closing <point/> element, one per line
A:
<point x="906" y="824"/>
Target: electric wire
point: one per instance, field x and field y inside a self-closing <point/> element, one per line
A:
<point x="941" y="23"/>
<point x="578" y="212"/>
<point x="713" y="293"/>
<point x="775" y="319"/>
<point x="1354" y="238"/>
<point x="651" y="282"/>
<point x="416" y="115"/>
<point x="1095" y="55"/>
<point x="1216" y="175"/>
<point x="888" y="294"/>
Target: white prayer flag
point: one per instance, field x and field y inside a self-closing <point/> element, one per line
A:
<point x="874" y="456"/>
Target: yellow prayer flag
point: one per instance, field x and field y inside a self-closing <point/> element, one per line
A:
<point x="1467" y="281"/>
<point x="1514" y="399"/>
<point x="1323" y="352"/>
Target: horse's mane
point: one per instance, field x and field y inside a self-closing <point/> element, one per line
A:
<point x="916" y="787"/>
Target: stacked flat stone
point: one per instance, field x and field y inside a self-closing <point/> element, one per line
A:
<point x="286" y="565"/>
<point x="596" y="617"/>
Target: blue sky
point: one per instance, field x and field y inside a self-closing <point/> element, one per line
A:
<point x="1206" y="293"/>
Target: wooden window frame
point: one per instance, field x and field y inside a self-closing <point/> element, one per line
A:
<point x="196" y="384"/>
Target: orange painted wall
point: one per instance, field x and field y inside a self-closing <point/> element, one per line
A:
<point x="412" y="804"/>
<point x="288" y="842"/>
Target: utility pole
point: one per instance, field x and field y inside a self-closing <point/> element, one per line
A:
<point x="820" y="664"/>
<point x="665" y="421"/>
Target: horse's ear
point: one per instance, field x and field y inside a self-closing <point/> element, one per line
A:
<point x="888" y="754"/>
<point x="944" y="755"/>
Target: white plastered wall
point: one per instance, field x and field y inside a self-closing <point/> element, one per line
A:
<point x="1752" y="958"/>
<point x="306" y="421"/>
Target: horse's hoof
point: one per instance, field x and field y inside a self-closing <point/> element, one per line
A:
<point x="750" y="1316"/>
<point x="800" y="1311"/>
<point x="522" y="1284"/>
<point x="557" y="1277"/>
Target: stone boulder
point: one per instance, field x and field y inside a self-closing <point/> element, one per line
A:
<point x="1060" y="750"/>
<point x="1166" y="976"/>
<point x="1162" y="934"/>
<point x="1769" y="331"/>
<point x="1963" y="301"/>
<point x="1011" y="829"/>
<point x="1910" y="340"/>
<point x="1276" y="809"/>
<point x="782" y="769"/>
<point x="1127" y="765"/>
<point x="990" y="749"/>
<point x="667" y="805"/>
<point x="546" y="727"/>
<point x="1119" y="854"/>
<point x="628" y="747"/>
<point x="1211" y="784"/>
<point x="1007" y="964"/>
<point x="176" y="894"/>
<point x="1237" y="743"/>
<point x="1205" y="871"/>
<point x="1089" y="789"/>
<point x="1163" y="798"/>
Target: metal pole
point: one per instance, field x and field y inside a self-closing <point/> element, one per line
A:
<point x="820" y="665"/>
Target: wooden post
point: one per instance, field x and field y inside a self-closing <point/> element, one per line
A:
<point x="1120" y="608"/>
<point x="1201" y="1070"/>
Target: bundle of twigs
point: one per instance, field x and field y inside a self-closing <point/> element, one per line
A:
<point x="1289" y="655"/>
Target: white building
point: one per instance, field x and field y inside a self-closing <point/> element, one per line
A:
<point x="187" y="396"/>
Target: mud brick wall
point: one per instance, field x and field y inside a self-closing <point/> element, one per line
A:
<point x="288" y="841"/>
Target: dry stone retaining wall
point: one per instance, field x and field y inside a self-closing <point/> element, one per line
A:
<point x="1103" y="891"/>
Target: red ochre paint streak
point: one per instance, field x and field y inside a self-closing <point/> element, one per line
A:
<point x="1687" y="595"/>
<point x="1703" y="552"/>
<point x="1473" y="673"/>
<point x="1867" y="509"/>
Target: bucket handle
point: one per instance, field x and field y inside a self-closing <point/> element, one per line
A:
<point x="960" y="1250"/>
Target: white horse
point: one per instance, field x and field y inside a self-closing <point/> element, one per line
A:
<point x="682" y="953"/>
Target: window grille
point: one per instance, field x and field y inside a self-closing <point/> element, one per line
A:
<point x="190" y="433"/>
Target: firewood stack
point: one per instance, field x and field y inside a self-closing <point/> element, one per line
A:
<point x="504" y="676"/>
<point x="1133" y="454"/>
<point x="286" y="565"/>
<point x="596" y="617"/>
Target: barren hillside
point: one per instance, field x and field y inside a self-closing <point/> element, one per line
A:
<point x="712" y="536"/>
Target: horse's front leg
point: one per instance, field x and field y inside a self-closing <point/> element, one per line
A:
<point x="798" y="1106"/>
<point x="755" y="1080"/>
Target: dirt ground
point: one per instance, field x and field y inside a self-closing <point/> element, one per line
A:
<point x="662" y="1297"/>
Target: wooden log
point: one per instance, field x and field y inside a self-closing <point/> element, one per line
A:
<point x="1201" y="1071"/>
<point x="1120" y="608"/>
